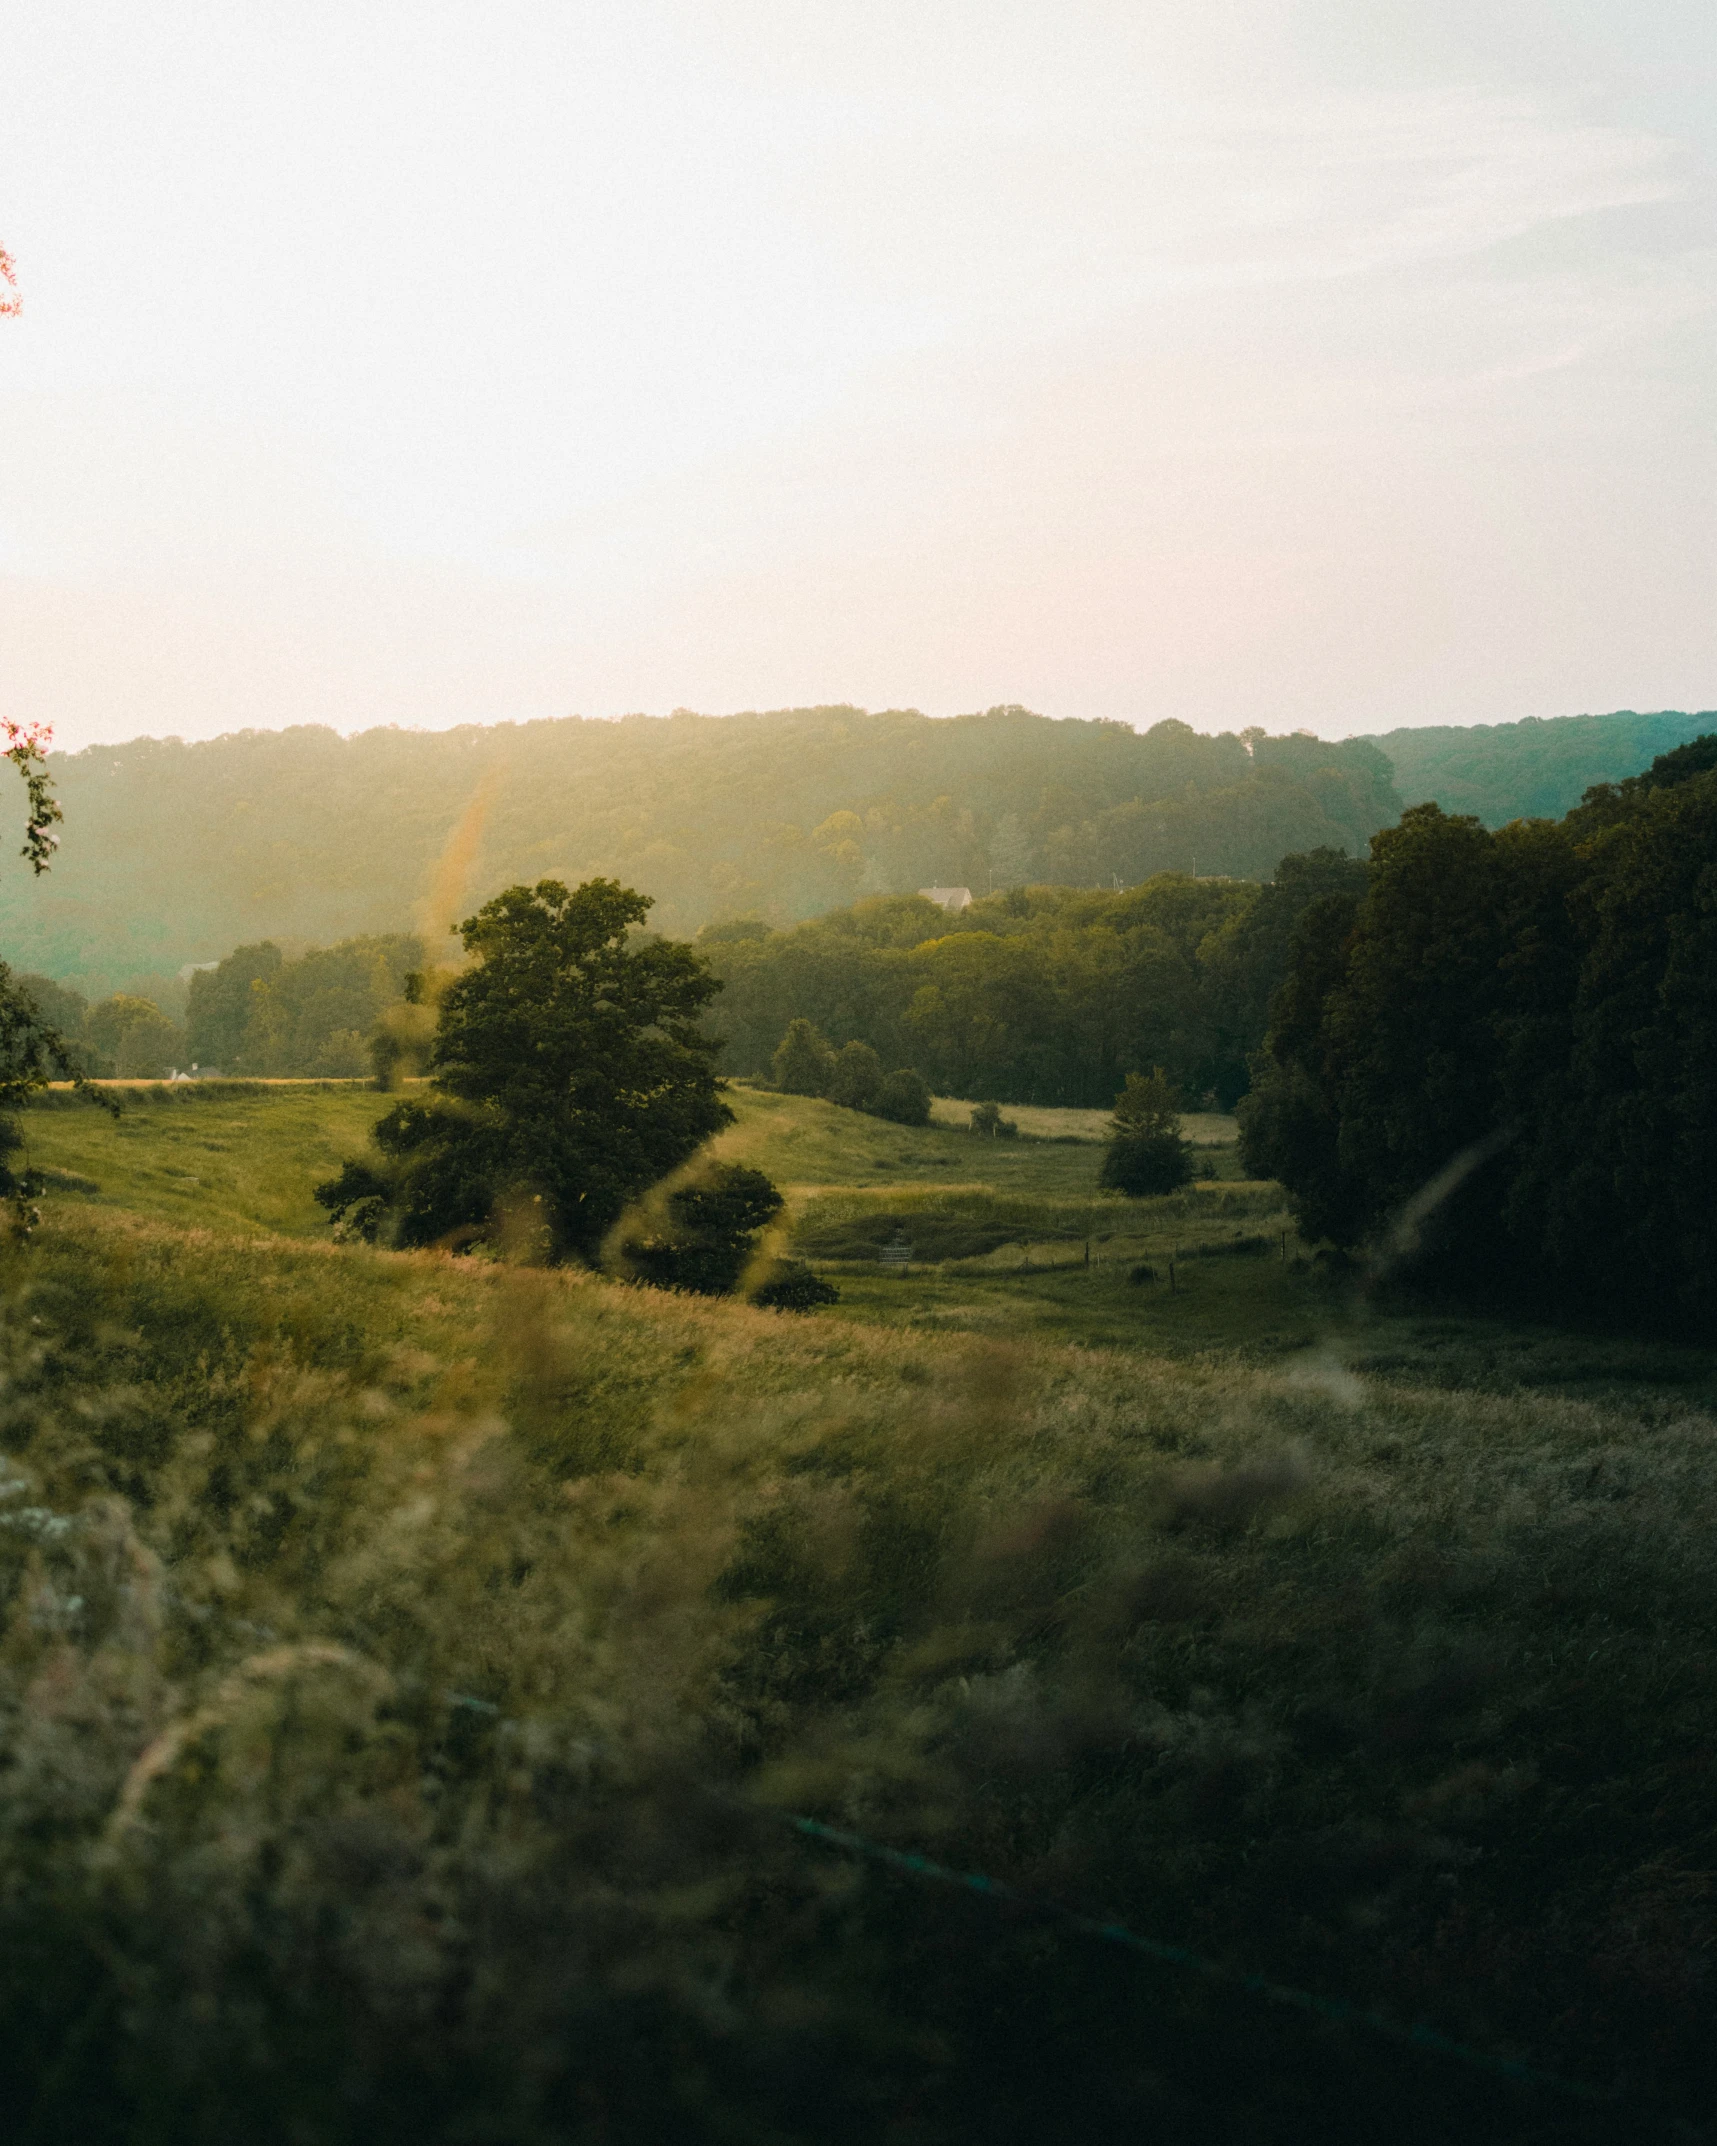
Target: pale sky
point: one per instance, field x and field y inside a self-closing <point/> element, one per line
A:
<point x="1341" y="365"/>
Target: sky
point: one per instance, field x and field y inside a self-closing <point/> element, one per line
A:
<point x="1334" y="364"/>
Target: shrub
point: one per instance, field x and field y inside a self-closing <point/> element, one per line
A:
<point x="714" y="1226"/>
<point x="803" y="1063"/>
<point x="988" y="1121"/>
<point x="794" y="1287"/>
<point x="1146" y="1153"/>
<point x="1145" y="1163"/>
<point x="854" y="1077"/>
<point x="903" y="1099"/>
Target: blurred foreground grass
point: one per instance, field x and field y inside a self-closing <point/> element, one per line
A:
<point x="403" y="1658"/>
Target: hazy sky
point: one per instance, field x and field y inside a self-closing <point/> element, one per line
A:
<point x="1343" y="364"/>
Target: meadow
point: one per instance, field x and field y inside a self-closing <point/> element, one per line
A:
<point x="229" y="1155"/>
<point x="411" y="1666"/>
<point x="241" y="1157"/>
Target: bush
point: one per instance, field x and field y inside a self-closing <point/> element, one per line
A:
<point x="794" y="1287"/>
<point x="1139" y="1164"/>
<point x="855" y="1076"/>
<point x="714" y="1226"/>
<point x="988" y="1121"/>
<point x="803" y="1063"/>
<point x="903" y="1099"/>
<point x="1146" y="1153"/>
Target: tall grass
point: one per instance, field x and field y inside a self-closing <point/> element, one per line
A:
<point x="405" y="1664"/>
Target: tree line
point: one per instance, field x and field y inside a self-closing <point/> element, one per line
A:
<point x="255" y="1014"/>
<point x="1044" y="994"/>
<point x="1496" y="1062"/>
<point x="1040" y="995"/>
<point x="176" y="851"/>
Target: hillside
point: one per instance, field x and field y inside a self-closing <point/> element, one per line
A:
<point x="444" y="1668"/>
<point x="177" y="853"/>
<point x="1535" y="769"/>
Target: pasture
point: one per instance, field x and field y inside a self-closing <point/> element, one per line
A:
<point x="997" y="1233"/>
<point x="422" y="1653"/>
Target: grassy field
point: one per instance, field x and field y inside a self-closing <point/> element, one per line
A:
<point x="380" y="1628"/>
<point x="405" y="1662"/>
<point x="241" y="1158"/>
<point x="1205" y="1129"/>
<point x="244" y="1154"/>
<point x="221" y="1155"/>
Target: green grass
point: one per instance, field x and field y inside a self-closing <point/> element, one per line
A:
<point x="1204" y="1129"/>
<point x="406" y="1654"/>
<point x="425" y="1638"/>
<point x="242" y="1157"/>
<point x="804" y="1144"/>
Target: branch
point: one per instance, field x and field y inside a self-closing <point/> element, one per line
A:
<point x="26" y="749"/>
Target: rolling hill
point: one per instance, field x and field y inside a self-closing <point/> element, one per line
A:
<point x="176" y="853"/>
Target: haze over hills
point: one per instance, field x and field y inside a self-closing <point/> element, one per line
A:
<point x="1531" y="770"/>
<point x="175" y="853"/>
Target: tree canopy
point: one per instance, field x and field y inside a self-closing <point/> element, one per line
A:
<point x="180" y="851"/>
<point x="1042" y="994"/>
<point x="569" y="1071"/>
<point x="1539" y="768"/>
<point x="1499" y="1062"/>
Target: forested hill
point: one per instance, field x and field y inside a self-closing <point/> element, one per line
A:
<point x="1533" y="770"/>
<point x="176" y="853"/>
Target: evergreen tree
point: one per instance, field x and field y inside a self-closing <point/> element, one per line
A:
<point x="1145" y="1153"/>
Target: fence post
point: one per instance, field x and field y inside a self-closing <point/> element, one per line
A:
<point x="1171" y="1278"/>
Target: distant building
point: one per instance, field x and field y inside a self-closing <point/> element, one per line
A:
<point x="953" y="899"/>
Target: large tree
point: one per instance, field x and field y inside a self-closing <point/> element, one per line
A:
<point x="1498" y="1062"/>
<point x="569" y="1071"/>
